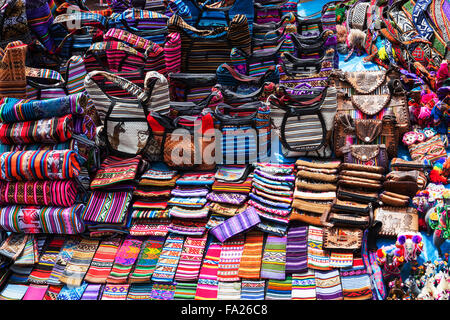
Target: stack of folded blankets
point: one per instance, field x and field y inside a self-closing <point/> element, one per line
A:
<point x="107" y="210"/>
<point x="150" y="214"/>
<point x="271" y="196"/>
<point x="315" y="190"/>
<point x="188" y="210"/>
<point x="229" y="192"/>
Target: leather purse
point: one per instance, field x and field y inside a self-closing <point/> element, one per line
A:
<point x="398" y="164"/>
<point x="349" y="220"/>
<point x="396" y="220"/>
<point x="338" y="238"/>
<point x="360" y="196"/>
<point x="369" y="155"/>
<point x="372" y="109"/>
<point x="361" y="167"/>
<point x="405" y="182"/>
<point x="394" y="199"/>
<point x="351" y="207"/>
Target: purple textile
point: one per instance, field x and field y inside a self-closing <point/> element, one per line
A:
<point x="237" y="224"/>
<point x="297" y="250"/>
<point x="224" y="197"/>
<point x="275" y="177"/>
<point x="92" y="292"/>
<point x="202" y="192"/>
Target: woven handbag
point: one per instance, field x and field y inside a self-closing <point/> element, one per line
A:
<point x="191" y="87"/>
<point x="14" y="22"/>
<point x="13" y="71"/>
<point x="273" y="10"/>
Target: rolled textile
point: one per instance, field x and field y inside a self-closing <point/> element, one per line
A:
<point x="53" y="130"/>
<point x="16" y="110"/>
<point x="237" y="224"/>
<point x="39" y="165"/>
<point x="43" y="192"/>
<point x="37" y="219"/>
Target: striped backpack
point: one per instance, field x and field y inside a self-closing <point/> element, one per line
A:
<point x="126" y="130"/>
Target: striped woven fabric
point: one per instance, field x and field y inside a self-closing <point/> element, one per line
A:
<point x="46" y="193"/>
<point x="355" y="284"/>
<point x="243" y="187"/>
<point x="114" y="170"/>
<point x="185" y="291"/>
<point x="147" y="260"/>
<point x="12" y="73"/>
<point x="43" y="269"/>
<point x="172" y="52"/>
<point x="115" y="292"/>
<point x="318" y="259"/>
<point x="149" y="227"/>
<point x="279" y="289"/>
<point x="250" y="265"/>
<point x="304" y="286"/>
<point x="274" y="258"/>
<point x="13" y="246"/>
<point x="40" y="20"/>
<point x="29" y="254"/>
<point x="169" y="258"/>
<point x="191" y="202"/>
<point x="13" y="291"/>
<point x="229" y="291"/>
<point x="188" y="227"/>
<point x="124" y="261"/>
<point x="150" y="214"/>
<point x="328" y="285"/>
<point x="77" y="267"/>
<point x="52" y="292"/>
<point x="253" y="290"/>
<point x="140" y="291"/>
<point x="35" y="292"/>
<point x="39" y="165"/>
<point x="191" y="259"/>
<point x="72" y="293"/>
<point x="207" y="284"/>
<point x="91" y="292"/>
<point x="107" y="207"/>
<point x="45" y="219"/>
<point x="341" y="259"/>
<point x="296" y="250"/>
<point x="230" y="258"/>
<point x="103" y="261"/>
<point x="62" y="259"/>
<point x="161" y="291"/>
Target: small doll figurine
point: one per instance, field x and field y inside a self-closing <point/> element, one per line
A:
<point x="409" y="246"/>
<point x="429" y="133"/>
<point x="409" y="138"/>
<point x="396" y="292"/>
<point x="420" y="137"/>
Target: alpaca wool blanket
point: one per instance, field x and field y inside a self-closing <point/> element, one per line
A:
<point x="169" y="258"/>
<point x="207" y="285"/>
<point x="125" y="258"/>
<point x="191" y="259"/>
<point x="274" y="258"/>
<point x="250" y="264"/>
<point x="304" y="286"/>
<point x="296" y="250"/>
<point x="230" y="258"/>
<point x="103" y="260"/>
<point x="148" y="258"/>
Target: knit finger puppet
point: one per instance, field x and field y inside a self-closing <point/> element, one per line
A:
<point x="409" y="247"/>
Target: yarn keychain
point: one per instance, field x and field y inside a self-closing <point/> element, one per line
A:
<point x="409" y="247"/>
<point x="391" y="265"/>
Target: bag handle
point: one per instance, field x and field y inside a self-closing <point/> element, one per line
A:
<point x="84" y="19"/>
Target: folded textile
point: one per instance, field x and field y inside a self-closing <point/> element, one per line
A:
<point x="29" y="254"/>
<point x="250" y="264"/>
<point x="148" y="258"/>
<point x="150" y="214"/>
<point x="47" y="131"/>
<point x="280" y="177"/>
<point x="103" y="261"/>
<point x="191" y="202"/>
<point x="304" y="286"/>
<point x="318" y="259"/>
<point x="39" y="165"/>
<point x="272" y="227"/>
<point x="232" y="173"/>
<point x="225" y="209"/>
<point x="72" y="293"/>
<point x="107" y="207"/>
<point x="43" y="269"/>
<point x="188" y="227"/>
<point x="243" y="187"/>
<point x="169" y="258"/>
<point x="185" y="291"/>
<point x="341" y="259"/>
<point x="14" y="245"/>
<point x="52" y="292"/>
<point x="114" y="170"/>
<point x="328" y="285"/>
<point x="115" y="292"/>
<point x="272" y="197"/>
<point x="265" y="207"/>
<point x="191" y="259"/>
<point x="162" y="291"/>
<point x="13" y="291"/>
<point x="275" y="189"/>
<point x="35" y="292"/>
<point x="277" y="185"/>
<point x="207" y="284"/>
<point x="159" y="178"/>
<point x="16" y="110"/>
<point x="279" y="289"/>
<point x="141" y="192"/>
<point x="150" y="204"/>
<point x="184" y="213"/>
<point x="196" y="179"/>
<point x="92" y="292"/>
<point x="225" y="197"/>
<point x="125" y="258"/>
<point x="62" y="259"/>
<point x="264" y="201"/>
<point x="230" y="258"/>
<point x="280" y="193"/>
<point x="252" y="290"/>
<point x="275" y="168"/>
<point x="317" y="176"/>
<point x="140" y="291"/>
<point x="296" y="250"/>
<point x="235" y="225"/>
<point x="46" y="193"/>
<point x="319" y="196"/>
<point x="214" y="220"/>
<point x="229" y="291"/>
<point x="330" y="165"/>
<point x="77" y="267"/>
<point x="302" y="184"/>
<point x="197" y="192"/>
<point x="274" y="258"/>
<point x="149" y="227"/>
<point x="355" y="284"/>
